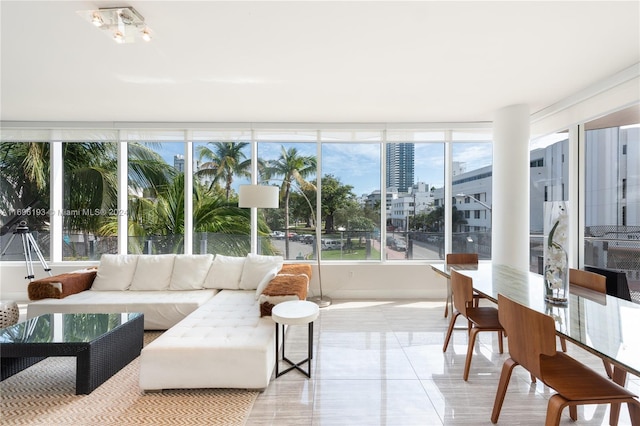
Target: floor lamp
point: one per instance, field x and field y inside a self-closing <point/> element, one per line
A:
<point x="268" y="197"/>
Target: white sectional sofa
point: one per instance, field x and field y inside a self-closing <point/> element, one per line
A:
<point x="211" y="308"/>
<point x="223" y="344"/>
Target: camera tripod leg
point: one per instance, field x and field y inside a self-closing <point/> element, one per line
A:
<point x="36" y="249"/>
<point x="26" y="248"/>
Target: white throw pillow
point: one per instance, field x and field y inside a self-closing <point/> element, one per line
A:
<point x="256" y="267"/>
<point x="225" y="272"/>
<point x="266" y="280"/>
<point x="115" y="272"/>
<point x="153" y="272"/>
<point x="189" y="271"/>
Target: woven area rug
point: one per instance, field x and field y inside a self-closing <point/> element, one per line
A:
<point x="44" y="394"/>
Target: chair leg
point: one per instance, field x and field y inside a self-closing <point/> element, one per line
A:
<point x="505" y="376"/>
<point x="573" y="412"/>
<point x="619" y="376"/>
<point x="500" y="343"/>
<point x="608" y="368"/>
<point x="450" y="330"/>
<point x="449" y="300"/>
<point x="554" y="410"/>
<point x="467" y="363"/>
<point x="634" y="412"/>
<point x="563" y="344"/>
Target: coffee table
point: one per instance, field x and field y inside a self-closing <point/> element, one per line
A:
<point x="102" y="344"/>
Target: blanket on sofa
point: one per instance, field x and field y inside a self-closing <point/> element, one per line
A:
<point x="61" y="285"/>
<point x="291" y="283"/>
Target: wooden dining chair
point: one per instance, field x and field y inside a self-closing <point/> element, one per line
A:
<point x="459" y="258"/>
<point x="591" y="281"/>
<point x="532" y="345"/>
<point x="479" y="318"/>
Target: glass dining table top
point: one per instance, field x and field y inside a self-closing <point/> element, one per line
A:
<point x="604" y="325"/>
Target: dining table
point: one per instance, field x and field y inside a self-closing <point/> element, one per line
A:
<point x="603" y="325"/>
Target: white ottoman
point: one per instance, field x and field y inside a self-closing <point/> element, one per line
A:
<point x="9" y="313"/>
<point x="294" y="312"/>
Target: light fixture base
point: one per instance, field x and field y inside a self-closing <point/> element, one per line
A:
<point x="122" y="24"/>
<point x="321" y="301"/>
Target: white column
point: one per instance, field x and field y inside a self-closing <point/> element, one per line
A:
<point x="188" y="192"/>
<point x="510" y="208"/>
<point x="57" y="204"/>
<point x="123" y="194"/>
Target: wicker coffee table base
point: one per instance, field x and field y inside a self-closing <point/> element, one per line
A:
<point x="96" y="361"/>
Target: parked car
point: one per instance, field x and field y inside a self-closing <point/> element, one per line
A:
<point x="307" y="239"/>
<point x="331" y="245"/>
<point x="278" y="235"/>
<point x="399" y="245"/>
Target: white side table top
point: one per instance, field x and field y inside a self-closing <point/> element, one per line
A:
<point x="295" y="312"/>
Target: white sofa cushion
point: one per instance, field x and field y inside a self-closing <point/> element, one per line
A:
<point x="153" y="272"/>
<point x="162" y="309"/>
<point x="225" y="272"/>
<point x="256" y="268"/>
<point x="115" y="272"/>
<point x="266" y="280"/>
<point x="189" y="271"/>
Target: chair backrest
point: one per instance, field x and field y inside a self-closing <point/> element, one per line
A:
<point x="531" y="333"/>
<point x="589" y="280"/>
<point x="462" y="288"/>
<point x="617" y="284"/>
<point x="453" y="258"/>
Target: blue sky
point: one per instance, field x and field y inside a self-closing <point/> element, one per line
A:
<point x="358" y="164"/>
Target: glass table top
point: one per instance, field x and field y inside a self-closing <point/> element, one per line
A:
<point x="64" y="328"/>
<point x="602" y="324"/>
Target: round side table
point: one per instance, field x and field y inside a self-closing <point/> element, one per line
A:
<point x="294" y="312"/>
<point x="9" y="313"/>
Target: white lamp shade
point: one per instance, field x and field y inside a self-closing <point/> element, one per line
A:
<point x="260" y="196"/>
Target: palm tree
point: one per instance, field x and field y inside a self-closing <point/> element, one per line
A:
<point x="292" y="169"/>
<point x="24" y="180"/>
<point x="223" y="161"/>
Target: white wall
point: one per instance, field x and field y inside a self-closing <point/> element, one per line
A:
<point x="356" y="281"/>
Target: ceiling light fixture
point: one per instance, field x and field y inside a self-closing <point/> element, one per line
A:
<point x="96" y="20"/>
<point x="118" y="37"/>
<point x="122" y="24"/>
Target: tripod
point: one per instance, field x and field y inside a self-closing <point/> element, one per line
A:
<point x="28" y="244"/>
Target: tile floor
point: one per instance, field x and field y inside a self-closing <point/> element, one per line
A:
<point x="381" y="363"/>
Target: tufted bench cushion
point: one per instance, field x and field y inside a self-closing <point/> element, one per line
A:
<point x="223" y="344"/>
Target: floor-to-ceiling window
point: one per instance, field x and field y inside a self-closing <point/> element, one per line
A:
<point x="25" y="206"/>
<point x="549" y="181"/>
<point x="156" y="191"/>
<point x="415" y="224"/>
<point x="612" y="194"/>
<point x="90" y="208"/>
<point x="371" y="194"/>
<point x="288" y="160"/>
<point x="221" y="162"/>
<point x="351" y="200"/>
<point x="472" y="161"/>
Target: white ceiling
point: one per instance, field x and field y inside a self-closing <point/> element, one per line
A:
<point x="304" y="61"/>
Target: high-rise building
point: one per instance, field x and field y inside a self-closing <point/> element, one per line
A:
<point x="400" y="162"/>
<point x="178" y="162"/>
